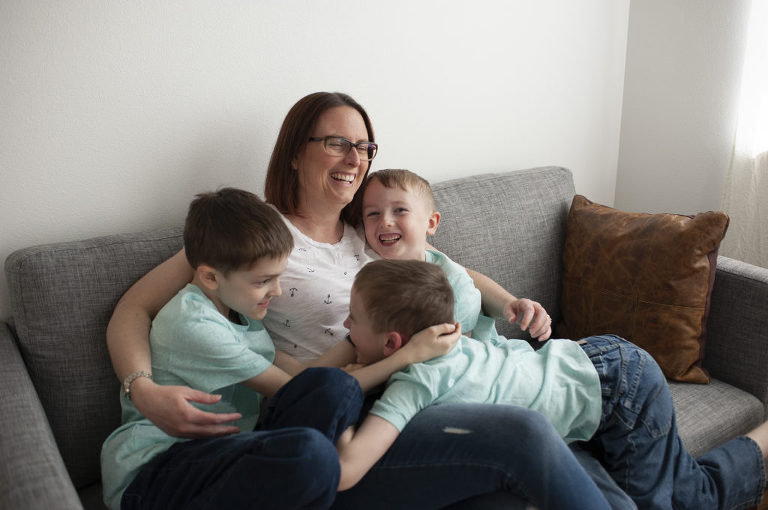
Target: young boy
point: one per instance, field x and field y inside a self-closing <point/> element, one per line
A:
<point x="398" y="215"/>
<point x="210" y="337"/>
<point x="601" y="389"/>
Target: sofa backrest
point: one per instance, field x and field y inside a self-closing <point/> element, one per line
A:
<point x="511" y="227"/>
<point x="62" y="296"/>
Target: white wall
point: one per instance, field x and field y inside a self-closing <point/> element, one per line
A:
<point x="681" y="93"/>
<point x="114" y="114"/>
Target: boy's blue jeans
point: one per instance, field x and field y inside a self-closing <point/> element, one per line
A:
<point x="638" y="443"/>
<point x="483" y="456"/>
<point x="290" y="463"/>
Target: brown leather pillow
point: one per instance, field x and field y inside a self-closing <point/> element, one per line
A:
<point x="644" y="277"/>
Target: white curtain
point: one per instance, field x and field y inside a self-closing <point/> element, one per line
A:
<point x="745" y="198"/>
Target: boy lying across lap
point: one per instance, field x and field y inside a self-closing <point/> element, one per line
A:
<point x="602" y="389"/>
<point x="210" y="337"/>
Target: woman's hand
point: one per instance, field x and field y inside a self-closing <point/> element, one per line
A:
<point x="432" y="342"/>
<point x="531" y="316"/>
<point x="169" y="408"/>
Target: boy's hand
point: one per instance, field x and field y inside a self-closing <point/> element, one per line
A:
<point x="531" y="316"/>
<point x="433" y="342"/>
<point x="169" y="408"/>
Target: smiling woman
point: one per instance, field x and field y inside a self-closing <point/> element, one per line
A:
<point x="316" y="188"/>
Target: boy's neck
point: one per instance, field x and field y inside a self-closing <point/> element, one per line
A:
<point x="214" y="297"/>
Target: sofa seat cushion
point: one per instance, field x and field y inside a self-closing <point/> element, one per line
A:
<point x="709" y="415"/>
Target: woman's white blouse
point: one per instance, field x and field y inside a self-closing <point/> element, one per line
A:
<point x="306" y="320"/>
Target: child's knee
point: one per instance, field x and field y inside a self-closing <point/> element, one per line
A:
<point x="534" y="429"/>
<point x="312" y="461"/>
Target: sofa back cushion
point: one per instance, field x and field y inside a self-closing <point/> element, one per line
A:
<point x="62" y="296"/>
<point x="511" y="227"/>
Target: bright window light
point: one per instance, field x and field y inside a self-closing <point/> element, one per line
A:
<point x="752" y="134"/>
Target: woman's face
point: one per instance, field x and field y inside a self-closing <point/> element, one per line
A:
<point x="329" y="179"/>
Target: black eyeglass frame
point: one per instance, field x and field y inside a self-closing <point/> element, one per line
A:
<point x="369" y="145"/>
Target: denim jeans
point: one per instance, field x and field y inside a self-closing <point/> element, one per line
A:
<point x="638" y="443"/>
<point x="450" y="453"/>
<point x="290" y="463"/>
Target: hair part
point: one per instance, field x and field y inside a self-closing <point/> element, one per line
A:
<point x="405" y="180"/>
<point x="405" y="296"/>
<point x="231" y="229"/>
<point x="281" y="187"/>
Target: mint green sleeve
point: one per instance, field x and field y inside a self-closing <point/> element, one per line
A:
<point x="407" y="393"/>
<point x="467" y="300"/>
<point x="210" y="356"/>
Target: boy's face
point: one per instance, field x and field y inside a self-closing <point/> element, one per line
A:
<point x="250" y="291"/>
<point x="397" y="222"/>
<point x="369" y="345"/>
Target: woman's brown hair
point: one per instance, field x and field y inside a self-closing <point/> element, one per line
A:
<point x="282" y="182"/>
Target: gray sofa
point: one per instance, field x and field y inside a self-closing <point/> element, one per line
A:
<point x="59" y="396"/>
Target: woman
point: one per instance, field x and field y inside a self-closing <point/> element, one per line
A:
<point x="447" y="453"/>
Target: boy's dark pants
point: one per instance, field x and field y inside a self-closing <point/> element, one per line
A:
<point x="290" y="463"/>
<point x="638" y="443"/>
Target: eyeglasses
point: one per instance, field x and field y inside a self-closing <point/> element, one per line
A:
<point x="340" y="146"/>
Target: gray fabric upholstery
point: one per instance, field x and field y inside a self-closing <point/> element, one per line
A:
<point x="31" y="469"/>
<point x="736" y="351"/>
<point x="708" y="415"/>
<point x="511" y="227"/>
<point x="59" y="399"/>
<point x="62" y="296"/>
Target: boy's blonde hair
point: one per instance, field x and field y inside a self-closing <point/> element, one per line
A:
<point x="405" y="296"/>
<point x="231" y="229"/>
<point x="405" y="180"/>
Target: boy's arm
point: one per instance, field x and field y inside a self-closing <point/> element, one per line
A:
<point x="426" y="344"/>
<point x="269" y="381"/>
<point x="360" y="450"/>
<point x="497" y="303"/>
<point x="340" y="355"/>
<point x="288" y="363"/>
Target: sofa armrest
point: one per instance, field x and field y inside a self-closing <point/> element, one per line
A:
<point x="32" y="473"/>
<point x="736" y="351"/>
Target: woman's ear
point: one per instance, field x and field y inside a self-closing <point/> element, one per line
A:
<point x="207" y="276"/>
<point x="434" y="220"/>
<point x="394" y="341"/>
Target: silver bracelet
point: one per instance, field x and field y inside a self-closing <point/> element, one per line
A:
<point x="129" y="380"/>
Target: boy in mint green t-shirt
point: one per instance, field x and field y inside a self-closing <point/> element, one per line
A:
<point x="398" y="214"/>
<point x="635" y="436"/>
<point x="210" y="337"/>
<point x="601" y="389"/>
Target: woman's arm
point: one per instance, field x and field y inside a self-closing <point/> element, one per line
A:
<point x="167" y="407"/>
<point x="498" y="303"/>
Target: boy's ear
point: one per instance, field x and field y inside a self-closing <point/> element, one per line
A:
<point x="394" y="341"/>
<point x="207" y="276"/>
<point x="434" y="220"/>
